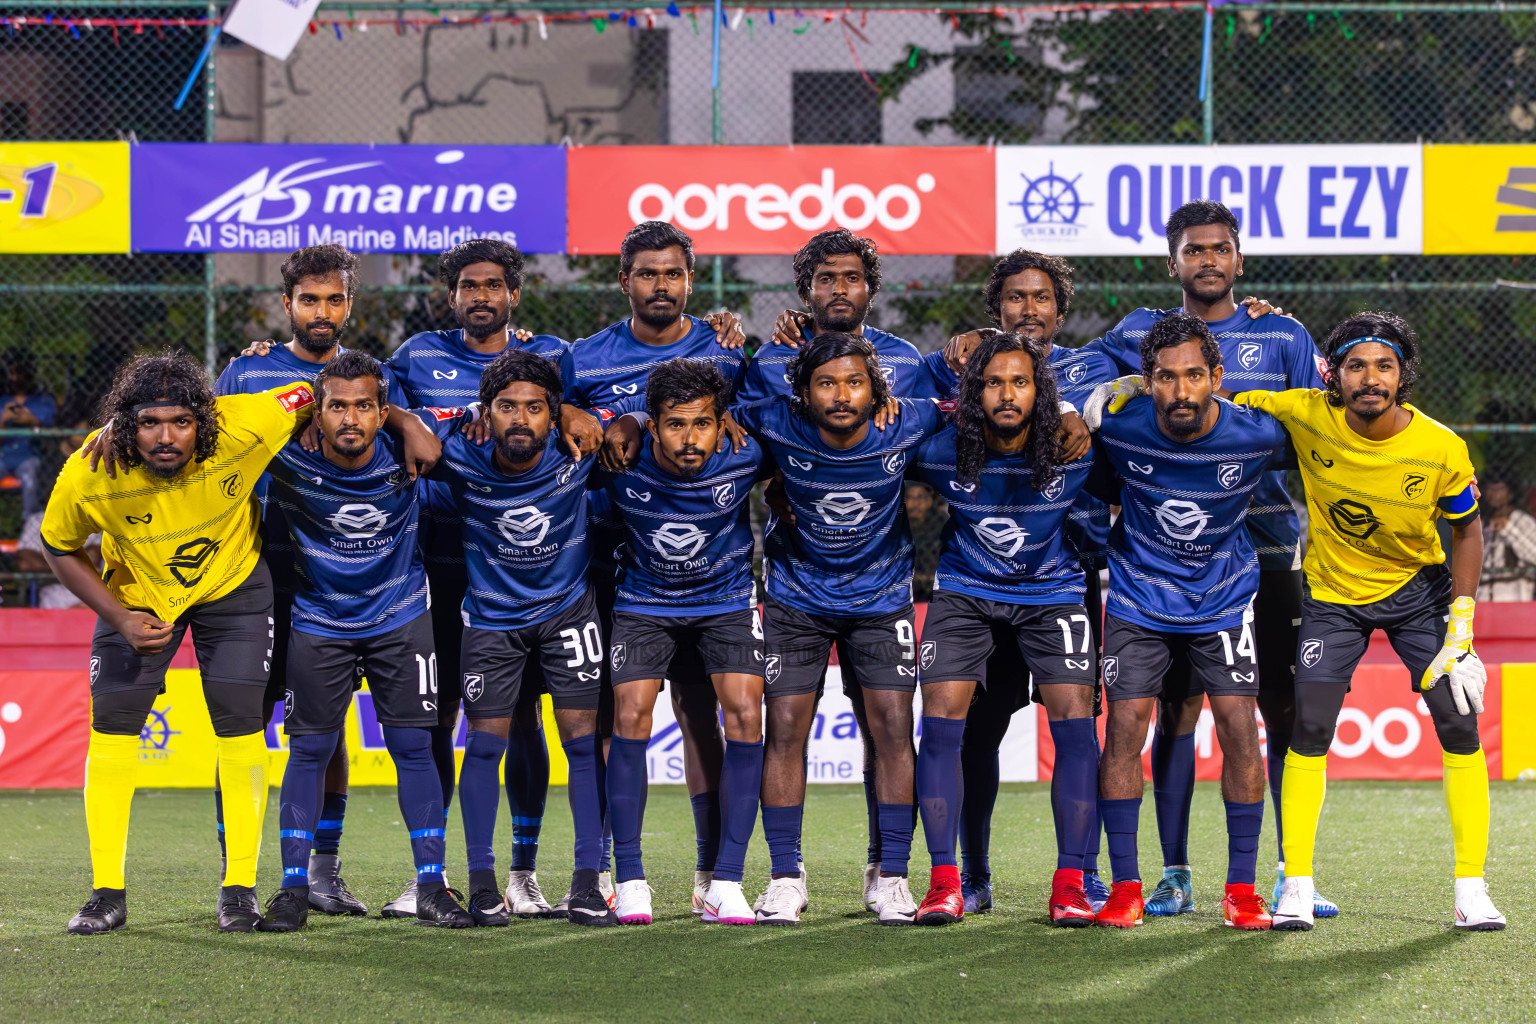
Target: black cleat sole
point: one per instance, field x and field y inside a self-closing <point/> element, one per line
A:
<point x="72" y="930"/>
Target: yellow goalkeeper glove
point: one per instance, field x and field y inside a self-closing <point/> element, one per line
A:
<point x="1457" y="663"/>
<point x="1112" y="396"/>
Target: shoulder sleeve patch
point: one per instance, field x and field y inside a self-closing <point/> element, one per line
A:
<point x="295" y="397"/>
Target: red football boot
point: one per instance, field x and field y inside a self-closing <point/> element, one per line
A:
<point x="1069" y="903"/>
<point x="1243" y="908"/>
<point x="1124" y="908"/>
<point x="944" y="904"/>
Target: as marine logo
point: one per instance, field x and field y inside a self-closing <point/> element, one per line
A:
<point x="190" y="562"/>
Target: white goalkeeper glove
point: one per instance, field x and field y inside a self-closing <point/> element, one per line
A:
<point x="1112" y="395"/>
<point x="1457" y="663"/>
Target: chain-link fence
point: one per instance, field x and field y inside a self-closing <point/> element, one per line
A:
<point x="876" y="73"/>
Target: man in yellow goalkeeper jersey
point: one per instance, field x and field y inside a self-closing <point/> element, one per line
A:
<point x="1378" y="473"/>
<point x="181" y="547"/>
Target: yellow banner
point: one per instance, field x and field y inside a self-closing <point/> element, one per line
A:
<point x="64" y="197"/>
<point x="178" y="748"/>
<point x="1479" y="199"/>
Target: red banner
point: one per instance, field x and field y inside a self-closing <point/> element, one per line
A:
<point x="44" y="728"/>
<point x="770" y="199"/>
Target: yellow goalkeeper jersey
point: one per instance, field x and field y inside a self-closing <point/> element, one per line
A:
<point x="1371" y="505"/>
<point x="170" y="544"/>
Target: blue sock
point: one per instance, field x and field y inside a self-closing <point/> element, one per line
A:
<point x="297" y="813"/>
<point x="872" y="810"/>
<point x="980" y="773"/>
<point x="706" y="822"/>
<point x="421" y="799"/>
<point x="1121" y="818"/>
<point x="1244" y="823"/>
<point x="1276" y="765"/>
<point x="741" y="779"/>
<point x="626" y="805"/>
<point x="1173" y="793"/>
<point x="479" y="797"/>
<point x="328" y="829"/>
<point x="583" y="755"/>
<point x="527" y="772"/>
<point x="938" y="788"/>
<point x="1091" y="854"/>
<point x="442" y="760"/>
<point x="218" y="817"/>
<point x="895" y="837"/>
<point x="1074" y="789"/>
<point x="781" y="827"/>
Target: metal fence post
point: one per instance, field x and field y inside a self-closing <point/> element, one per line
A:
<point x="210" y="102"/>
<point x="716" y="137"/>
<point x="1208" y="81"/>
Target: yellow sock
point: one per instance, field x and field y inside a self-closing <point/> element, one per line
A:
<point x="1466" y="797"/>
<point x="243" y="776"/>
<point x="111" y="766"/>
<point x="1301" y="801"/>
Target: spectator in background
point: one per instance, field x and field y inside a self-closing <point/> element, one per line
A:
<point x="926" y="516"/>
<point x="1509" y="546"/>
<point x="29" y="558"/>
<point x="24" y="406"/>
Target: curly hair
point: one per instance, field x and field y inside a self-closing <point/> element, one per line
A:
<point x="1042" y="452"/>
<point x="827" y="347"/>
<point x="520" y="366"/>
<point x="170" y="375"/>
<point x="680" y="381"/>
<point x="1173" y="330"/>
<point x="837" y="242"/>
<point x="481" y="250"/>
<point x="319" y="261"/>
<point x="1372" y="324"/>
<point x="1020" y="260"/>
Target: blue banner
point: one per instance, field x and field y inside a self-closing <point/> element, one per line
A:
<point x="236" y="197"/>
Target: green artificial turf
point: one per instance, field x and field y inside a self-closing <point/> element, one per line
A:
<point x="1384" y="856"/>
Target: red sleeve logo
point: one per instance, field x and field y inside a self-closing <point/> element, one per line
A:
<point x="605" y="415"/>
<point x="444" y="414"/>
<point x="947" y="405"/>
<point x="1322" y="368"/>
<point x="295" y="398"/>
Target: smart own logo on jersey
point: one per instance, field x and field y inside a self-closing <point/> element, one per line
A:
<point x="1003" y="537"/>
<point x="190" y="562"/>
<point x="678" y="542"/>
<point x="1182" y="520"/>
<point x="523" y="527"/>
<point x="1353" y="519"/>
<point x="356" y="522"/>
<point x="843" y="508"/>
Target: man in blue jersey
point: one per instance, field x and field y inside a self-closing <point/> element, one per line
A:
<point x="685" y="581"/>
<point x="839" y="569"/>
<point x="1183" y="574"/>
<point x="360" y="608"/>
<point x="318" y="286"/>
<point x="1007" y="567"/>
<point x="522" y="498"/>
<point x="1259" y="352"/>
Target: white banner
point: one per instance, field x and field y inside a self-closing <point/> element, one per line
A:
<point x="836" y="753"/>
<point x="1289" y="200"/>
<point x="272" y="26"/>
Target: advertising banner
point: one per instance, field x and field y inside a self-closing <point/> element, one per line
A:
<point x="1289" y="200"/>
<point x="199" y="197"/>
<point x="748" y="200"/>
<point x="1479" y="199"/>
<point x="64" y="197"/>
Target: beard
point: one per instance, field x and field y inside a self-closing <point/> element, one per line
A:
<point x="519" y="445"/>
<point x="1369" y="415"/>
<point x="823" y="418"/>
<point x="349" y="445"/>
<point x="1183" y="428"/>
<point x="844" y="318"/>
<point x="481" y="331"/>
<point x="1006" y="432"/>
<point x="311" y="344"/>
<point x="684" y="470"/>
<point x="1210" y="289"/>
<point x="164" y="472"/>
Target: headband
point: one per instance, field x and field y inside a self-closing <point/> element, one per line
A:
<point x="1351" y="343"/>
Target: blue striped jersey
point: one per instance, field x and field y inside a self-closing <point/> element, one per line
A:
<point x="904" y="368"/>
<point x="609" y="370"/>
<point x="354" y="534"/>
<point x="1005" y="541"/>
<point x="1271" y="353"/>
<point x="849" y="551"/>
<point x="1180" y="558"/>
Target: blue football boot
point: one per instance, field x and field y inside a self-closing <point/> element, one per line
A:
<point x="978" y="894"/>
<point x="1173" y="895"/>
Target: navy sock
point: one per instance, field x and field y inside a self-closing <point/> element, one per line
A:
<point x="706" y="827"/>
<point x="1276" y="765"/>
<point x="1091" y="852"/>
<point x="626" y="805"/>
<point x="1074" y="789"/>
<point x="1244" y="823"/>
<point x="872" y="810"/>
<point x="781" y="827"/>
<point x="297" y="813"/>
<point x="421" y="799"/>
<point x="442" y="760"/>
<point x="980" y="773"/>
<point x="605" y="850"/>
<point x="527" y="772"/>
<point x="1173" y="793"/>
<point x="895" y="837"/>
<point x="1121" y="818"/>
<point x="583" y="755"/>
<point x="938" y="787"/>
<point x="328" y="829"/>
<point x="741" y="779"/>
<point x="479" y="795"/>
<point x="218" y="817"/>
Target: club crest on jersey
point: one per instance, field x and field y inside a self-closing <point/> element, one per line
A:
<point x="95" y="669"/>
<point x="724" y="494"/>
<point x="524" y="527"/>
<point x="1054" y="489"/>
<point x="440" y="375"/>
<point x="843" y="508"/>
<point x="190" y="562"/>
<point x="926" y="653"/>
<point x="287" y="703"/>
<point x="638" y="495"/>
<point x="1111" y="670"/>
<point x="617" y="655"/>
<point x="564" y="476"/>
<point x="893" y="462"/>
<point x="1076" y="372"/>
<point x="1182" y="520"/>
<point x="801" y="465"/>
<point x="1229" y="474"/>
<point x="1003" y="537"/>
<point x="1353" y="519"/>
<point x="1311" y="652"/>
<point x="295" y="398"/>
<point x="356" y="522"/>
<point x="1249" y="353"/>
<point x="889" y="373"/>
<point x="772" y="666"/>
<point x="474" y="685"/>
<point x="678" y="542"/>
<point x="230" y="485"/>
<point x="396" y="478"/>
<point x="1413" y="484"/>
